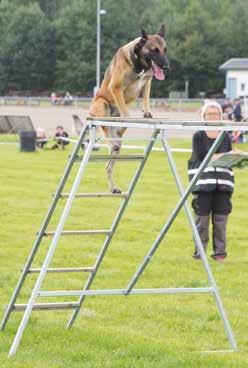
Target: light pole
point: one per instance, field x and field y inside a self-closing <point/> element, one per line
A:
<point x="99" y="12"/>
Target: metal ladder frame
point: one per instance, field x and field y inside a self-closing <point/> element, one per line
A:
<point x="91" y="126"/>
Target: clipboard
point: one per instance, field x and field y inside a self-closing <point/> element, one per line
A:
<point x="231" y="159"/>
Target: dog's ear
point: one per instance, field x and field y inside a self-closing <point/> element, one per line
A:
<point x="143" y="33"/>
<point x="161" y="32"/>
<point x="139" y="45"/>
<point x="141" y="42"/>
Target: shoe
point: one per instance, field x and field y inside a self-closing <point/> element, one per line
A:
<point x="218" y="258"/>
<point x="196" y="256"/>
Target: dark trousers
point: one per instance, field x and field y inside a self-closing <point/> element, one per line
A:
<point x="217" y="206"/>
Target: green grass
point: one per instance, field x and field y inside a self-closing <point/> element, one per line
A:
<point x="136" y="331"/>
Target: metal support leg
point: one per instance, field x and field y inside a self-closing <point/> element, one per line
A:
<point x="54" y="242"/>
<point x="199" y="245"/>
<point x="114" y="225"/>
<point x="42" y="231"/>
<point x="174" y="214"/>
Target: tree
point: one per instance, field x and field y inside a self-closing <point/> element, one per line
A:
<point x="27" y="54"/>
<point x="75" y="37"/>
<point x="47" y="44"/>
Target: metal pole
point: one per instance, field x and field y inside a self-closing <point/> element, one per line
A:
<point x="174" y="214"/>
<point x="53" y="244"/>
<point x="199" y="245"/>
<point x="42" y="230"/>
<point x="98" y="40"/>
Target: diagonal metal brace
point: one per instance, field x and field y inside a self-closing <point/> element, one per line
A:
<point x="174" y="214"/>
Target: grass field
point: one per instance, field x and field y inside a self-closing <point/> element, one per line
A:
<point x="136" y="331"/>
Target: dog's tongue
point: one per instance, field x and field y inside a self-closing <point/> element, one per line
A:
<point x="158" y="72"/>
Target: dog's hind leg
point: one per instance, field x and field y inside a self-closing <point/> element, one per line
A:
<point x="115" y="147"/>
<point x="101" y="108"/>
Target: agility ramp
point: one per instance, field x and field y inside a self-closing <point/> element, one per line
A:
<point x="156" y="126"/>
<point x="14" y="124"/>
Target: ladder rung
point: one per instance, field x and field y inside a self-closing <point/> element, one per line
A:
<point x="70" y="269"/>
<point x="112" y="157"/>
<point x="47" y="306"/>
<point x="79" y="232"/>
<point x="95" y="195"/>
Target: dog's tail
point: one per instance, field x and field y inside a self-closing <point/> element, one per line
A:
<point x="77" y="125"/>
<point x="77" y="128"/>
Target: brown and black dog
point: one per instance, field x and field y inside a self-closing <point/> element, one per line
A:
<point x="129" y="73"/>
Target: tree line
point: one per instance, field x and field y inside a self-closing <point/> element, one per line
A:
<point x="50" y="45"/>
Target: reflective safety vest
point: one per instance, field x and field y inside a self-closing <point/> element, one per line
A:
<point x="213" y="178"/>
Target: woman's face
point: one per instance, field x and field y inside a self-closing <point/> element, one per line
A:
<point x="212" y="114"/>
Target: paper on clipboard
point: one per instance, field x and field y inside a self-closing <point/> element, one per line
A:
<point x="231" y="159"/>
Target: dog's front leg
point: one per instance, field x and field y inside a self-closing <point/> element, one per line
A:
<point x="121" y="105"/>
<point x="116" y="88"/>
<point x="146" y="99"/>
<point x="119" y="100"/>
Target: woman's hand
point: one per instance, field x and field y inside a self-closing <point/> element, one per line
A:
<point x="237" y="151"/>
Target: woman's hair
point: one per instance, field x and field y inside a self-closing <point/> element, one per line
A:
<point x="208" y="104"/>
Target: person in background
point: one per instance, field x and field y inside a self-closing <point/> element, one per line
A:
<point x="68" y="99"/>
<point x="237" y="136"/>
<point x="54" y="99"/>
<point x="59" y="135"/>
<point x="213" y="190"/>
<point x="41" y="138"/>
<point x="237" y="112"/>
<point x="227" y="109"/>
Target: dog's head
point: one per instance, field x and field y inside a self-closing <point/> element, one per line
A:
<point x="151" y="51"/>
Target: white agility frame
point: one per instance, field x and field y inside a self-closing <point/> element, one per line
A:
<point x="157" y="126"/>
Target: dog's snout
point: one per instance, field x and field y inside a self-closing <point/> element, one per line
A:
<point x="166" y="65"/>
<point x="162" y="61"/>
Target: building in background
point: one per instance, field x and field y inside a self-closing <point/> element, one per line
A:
<point x="236" y="78"/>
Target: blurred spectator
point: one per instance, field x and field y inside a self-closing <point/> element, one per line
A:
<point x="41" y="138"/>
<point x="68" y="99"/>
<point x="227" y="109"/>
<point x="237" y="112"/>
<point x="54" y="99"/>
<point x="237" y="136"/>
<point x="59" y="135"/>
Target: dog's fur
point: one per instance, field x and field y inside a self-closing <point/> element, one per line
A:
<point x="129" y="73"/>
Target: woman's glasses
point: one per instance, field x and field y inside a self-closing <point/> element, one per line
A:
<point x="212" y="114"/>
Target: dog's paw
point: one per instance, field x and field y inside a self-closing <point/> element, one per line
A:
<point x="147" y="115"/>
<point x="116" y="191"/>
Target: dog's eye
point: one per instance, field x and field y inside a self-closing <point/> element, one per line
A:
<point x="165" y="49"/>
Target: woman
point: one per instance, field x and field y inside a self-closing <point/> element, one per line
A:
<point x="212" y="192"/>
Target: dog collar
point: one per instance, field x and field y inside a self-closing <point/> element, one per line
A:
<point x="141" y="73"/>
<point x="137" y="66"/>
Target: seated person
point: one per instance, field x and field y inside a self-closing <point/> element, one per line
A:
<point x="68" y="99"/>
<point x="59" y="135"/>
<point x="54" y="99"/>
<point x="41" y="138"/>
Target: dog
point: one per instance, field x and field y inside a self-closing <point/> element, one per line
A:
<point x="129" y="73"/>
